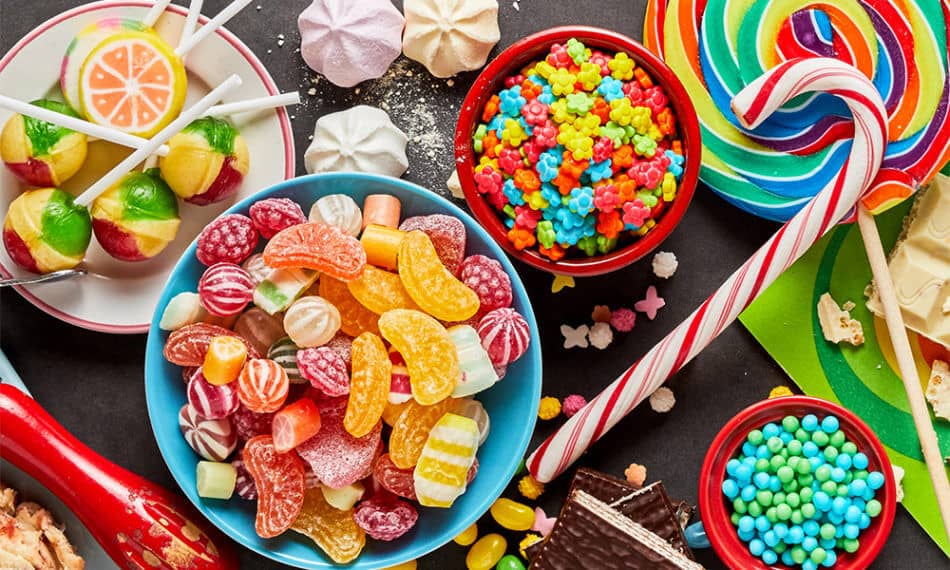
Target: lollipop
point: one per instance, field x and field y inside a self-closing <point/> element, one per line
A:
<point x="206" y="162"/>
<point x="137" y="217"/>
<point x="775" y="169"/>
<point x="41" y="153"/>
<point x="45" y="231"/>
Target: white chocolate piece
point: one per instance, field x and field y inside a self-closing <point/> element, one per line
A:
<point x="473" y="409"/>
<point x="837" y="324"/>
<point x="183" y="309"/>
<point x="450" y="36"/>
<point x="338" y="210"/>
<point x="477" y="371"/>
<point x="281" y="287"/>
<point x="344" y="498"/>
<point x="938" y="389"/>
<point x="311" y="321"/>
<point x="215" y="480"/>
<point x="360" y="139"/>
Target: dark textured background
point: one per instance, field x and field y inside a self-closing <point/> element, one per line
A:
<point x="92" y="382"/>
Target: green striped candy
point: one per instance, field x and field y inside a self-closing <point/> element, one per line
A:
<point x="284" y="352"/>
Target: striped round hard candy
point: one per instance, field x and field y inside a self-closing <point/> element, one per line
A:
<point x="284" y="352"/>
<point x="211" y="401"/>
<point x="225" y="289"/>
<point x="213" y="440"/>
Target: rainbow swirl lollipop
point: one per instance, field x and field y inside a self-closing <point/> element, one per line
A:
<point x="717" y="47"/>
<point x="41" y="153"/>
<point x="45" y="231"/>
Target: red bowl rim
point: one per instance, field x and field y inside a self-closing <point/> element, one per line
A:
<point x="716" y="521"/>
<point x="503" y="65"/>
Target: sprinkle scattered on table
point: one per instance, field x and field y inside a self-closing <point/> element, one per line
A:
<point x="542" y="522"/>
<point x="898" y="479"/>
<point x="651" y="304"/>
<point x="530" y="488"/>
<point x="549" y="408"/>
<point x="636" y="474"/>
<point x="662" y="400"/>
<point x="600" y="314"/>
<point x="780" y="391"/>
<point x="560" y="282"/>
<point x="600" y="335"/>
<point x="665" y="264"/>
<point x="573" y="404"/>
<point x="575" y="337"/>
<point x="623" y="319"/>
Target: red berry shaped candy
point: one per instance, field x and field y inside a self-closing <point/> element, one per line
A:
<point x="206" y="162"/>
<point x="188" y="345"/>
<point x="394" y="479"/>
<point x="342" y="345"/>
<point x="263" y="385"/>
<point x="136" y="218"/>
<point x="488" y="279"/>
<point x="250" y="424"/>
<point x="337" y="458"/>
<point x="447" y="234"/>
<point x="225" y="289"/>
<point x="275" y="214"/>
<point x="279" y="479"/>
<point x="327" y="249"/>
<point x="211" y="401"/>
<point x="230" y="239"/>
<point x="385" y="517"/>
<point x="505" y="335"/>
<point x="213" y="440"/>
<point x="325" y="369"/>
<point x="243" y="483"/>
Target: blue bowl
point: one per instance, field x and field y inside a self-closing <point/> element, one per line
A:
<point x="512" y="404"/>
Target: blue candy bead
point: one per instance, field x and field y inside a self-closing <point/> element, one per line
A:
<point x="748" y="493"/>
<point x="756" y="547"/>
<point x="834" y="518"/>
<point x="811" y="528"/>
<point x="746" y="536"/>
<point x="809" y="543"/>
<point x="795" y="535"/>
<point x="761" y="480"/>
<point x="830" y="558"/>
<point x="838" y="474"/>
<point x="844" y="461"/>
<point x="762" y="523"/>
<point x="839" y="532"/>
<point x="852" y="514"/>
<point x="809" y="449"/>
<point x="821" y="500"/>
<point x="875" y="480"/>
<point x="787" y="558"/>
<point x="769" y="557"/>
<point x="810" y="422"/>
<point x="730" y="489"/>
<point x="676" y="163"/>
<point x="838" y="505"/>
<point x="743" y="473"/>
<point x="786" y="437"/>
<point x="809" y="565"/>
<point x="829" y="424"/>
<point x="851" y="531"/>
<point x="864" y="521"/>
<point x="762" y="452"/>
<point x="746" y="523"/>
<point x="769" y="538"/>
<point x="771" y="430"/>
<point x="780" y="529"/>
<point x="775" y="484"/>
<point x="750" y="460"/>
<point x="827" y="543"/>
<point x="857" y="488"/>
<point x="816" y="462"/>
<point x="860" y="461"/>
<point x="868" y="494"/>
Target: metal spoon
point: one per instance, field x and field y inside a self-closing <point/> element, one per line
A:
<point x="48" y="278"/>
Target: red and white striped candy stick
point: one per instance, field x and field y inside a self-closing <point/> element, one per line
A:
<point x="753" y="105"/>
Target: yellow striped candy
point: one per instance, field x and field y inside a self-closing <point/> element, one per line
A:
<point x="441" y="473"/>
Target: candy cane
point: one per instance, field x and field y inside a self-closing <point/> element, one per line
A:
<point x="752" y="105"/>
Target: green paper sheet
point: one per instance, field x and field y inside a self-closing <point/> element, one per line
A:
<point x="863" y="379"/>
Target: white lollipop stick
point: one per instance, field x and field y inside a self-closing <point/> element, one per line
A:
<point x="259" y="104"/>
<point x="191" y="20"/>
<point x="78" y="125"/>
<point x="155" y="12"/>
<point x="162" y="137"/>
<point x="222" y="18"/>
<point x="752" y="105"/>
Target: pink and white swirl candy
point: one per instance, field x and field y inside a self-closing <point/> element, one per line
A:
<point x="225" y="289"/>
<point x="212" y="439"/>
<point x="210" y="401"/>
<point x="505" y="335"/>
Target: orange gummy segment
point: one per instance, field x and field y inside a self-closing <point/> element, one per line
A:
<point x="411" y="431"/>
<point x="380" y="291"/>
<point x="430" y="284"/>
<point x="321" y="247"/>
<point x="369" y="384"/>
<point x="355" y="319"/>
<point x="333" y="530"/>
<point x="392" y="412"/>
<point x="427" y="348"/>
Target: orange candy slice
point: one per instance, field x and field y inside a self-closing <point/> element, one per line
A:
<point x="334" y="531"/>
<point x="411" y="431"/>
<point x="369" y="384"/>
<point x="430" y="284"/>
<point x="428" y="350"/>
<point x="321" y="247"/>
<point x="380" y="291"/>
<point x="355" y="319"/>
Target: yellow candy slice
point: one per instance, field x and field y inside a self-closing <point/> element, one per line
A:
<point x="430" y="284"/>
<point x="380" y="291"/>
<point x="369" y="385"/>
<point x="334" y="531"/>
<point x="448" y="454"/>
<point x="428" y="350"/>
<point x="411" y="431"/>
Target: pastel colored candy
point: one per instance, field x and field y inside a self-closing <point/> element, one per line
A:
<point x="40" y="153"/>
<point x="256" y="268"/>
<point x="474" y="410"/>
<point x="183" y="309"/>
<point x="441" y="474"/>
<point x="338" y="210"/>
<point x="44" y="231"/>
<point x="225" y="289"/>
<point x="350" y="42"/>
<point x="311" y="321"/>
<point x="450" y="36"/>
<point x="478" y="372"/>
<point x="212" y="439"/>
<point x="337" y="458"/>
<point x="381" y="210"/>
<point x="382" y="246"/>
<point x="281" y="287"/>
<point x="206" y="162"/>
<point x="211" y="401"/>
<point x="263" y="385"/>
<point x="137" y="218"/>
<point x="215" y="480"/>
<point x="360" y="139"/>
<point x="505" y="335"/>
<point x="344" y="498"/>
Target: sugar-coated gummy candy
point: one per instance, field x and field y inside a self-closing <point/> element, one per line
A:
<point x="279" y="480"/>
<point x="183" y="309"/>
<point x="281" y="287"/>
<point x="225" y="289"/>
<point x="229" y="239"/>
<point x="385" y="517"/>
<point x="392" y="411"/>
<point x="325" y="369"/>
<point x="382" y="246"/>
<point x="369" y="385"/>
<point x="295" y="424"/>
<point x="260" y="329"/>
<point x="394" y="479"/>
<point x="248" y="423"/>
<point x="263" y="385"/>
<point x="441" y="472"/>
<point x="338" y="210"/>
<point x="430" y="284"/>
<point x="327" y="249"/>
<point x="380" y="291"/>
<point x="355" y="319"/>
<point x="428" y="350"/>
<point x="344" y="498"/>
<point x="474" y="409"/>
<point x="272" y="215"/>
<point x="342" y="345"/>
<point x="478" y="373"/>
<point x="188" y="345"/>
<point x="447" y="234"/>
<point x="212" y="439"/>
<point x="512" y="514"/>
<point x="256" y="268"/>
<point x="505" y="335"/>
<point x="337" y="458"/>
<point x="486" y="552"/>
<point x="311" y="321"/>
<point x="210" y="401"/>
<point x="412" y="429"/>
<point x="224" y="360"/>
<point x="334" y="531"/>
<point x="400" y="389"/>
<point x="284" y="352"/>
<point x="243" y="482"/>
<point x="488" y="279"/>
<point x="215" y="480"/>
<point x="381" y="210"/>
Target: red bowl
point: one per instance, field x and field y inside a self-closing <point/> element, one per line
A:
<point x="713" y="506"/>
<point x="510" y="62"/>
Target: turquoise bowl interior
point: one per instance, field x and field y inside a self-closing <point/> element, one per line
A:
<point x="512" y="404"/>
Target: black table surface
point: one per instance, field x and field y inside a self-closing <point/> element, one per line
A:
<point x="93" y="382"/>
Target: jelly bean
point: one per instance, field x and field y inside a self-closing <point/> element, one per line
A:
<point x="317" y="246"/>
<point x="428" y="350"/>
<point x="224" y="360"/>
<point x="215" y="480"/>
<point x="380" y="291"/>
<point x="510" y="562"/>
<point x="486" y="552"/>
<point x="337" y="458"/>
<point x="295" y="424"/>
<point x="468" y="536"/>
<point x="512" y="515"/>
<point x="381" y="210"/>
<point x="334" y="531"/>
<point x="263" y="385"/>
<point x="344" y="498"/>
<point x="338" y="210"/>
<point x="355" y="319"/>
<point x="369" y="386"/>
<point x="213" y="440"/>
<point x="411" y="431"/>
<point x="385" y="518"/>
<point x="279" y="479"/>
<point x="311" y="321"/>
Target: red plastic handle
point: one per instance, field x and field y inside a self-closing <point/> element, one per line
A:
<point x="138" y="523"/>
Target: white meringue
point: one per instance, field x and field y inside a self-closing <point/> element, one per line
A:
<point x="450" y="36"/>
<point x="360" y="139"/>
<point x="349" y="41"/>
<point x="338" y="210"/>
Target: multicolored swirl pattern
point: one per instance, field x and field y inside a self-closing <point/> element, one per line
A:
<point x="717" y="47"/>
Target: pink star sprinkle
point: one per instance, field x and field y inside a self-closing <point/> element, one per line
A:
<point x="651" y="304"/>
<point x="542" y="522"/>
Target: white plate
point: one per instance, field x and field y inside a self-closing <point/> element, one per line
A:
<point x="120" y="297"/>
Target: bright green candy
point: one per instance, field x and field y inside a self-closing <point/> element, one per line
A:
<point x="830" y="487"/>
<point x="837" y="439"/>
<point x="649" y="198"/>
<point x="818" y="555"/>
<point x="509" y="562"/>
<point x="509" y="210"/>
<point x="754" y="508"/>
<point x="793" y="461"/>
<point x="785" y="474"/>
<point x="738" y="505"/>
<point x="783" y="512"/>
<point x="803" y="467"/>
<point x="614" y="132"/>
<point x="820" y="438"/>
<point x="802" y="435"/>
<point x="588" y="244"/>
<point x="219" y="134"/>
<point x="851" y="544"/>
<point x="849" y="447"/>
<point x="798" y="555"/>
<point x="546" y="234"/>
<point x="780" y="547"/>
<point x="606" y="244"/>
<point x="790" y="423"/>
<point x="794" y="448"/>
<point x="842" y="490"/>
<point x="778" y="499"/>
<point x="762" y="465"/>
<point x="577" y="50"/>
<point x="827" y="531"/>
<point x="793" y="500"/>
<point x="67" y="227"/>
<point x="522" y="468"/>
<point x="806" y="494"/>
<point x="808" y="510"/>
<point x="873" y="508"/>
<point x="764" y="497"/>
<point x="775" y="444"/>
<point x="790" y="487"/>
<point x="44" y="136"/>
<point x="480" y="133"/>
<point x="806" y="480"/>
<point x="797" y="517"/>
<point x="146" y="197"/>
<point x="862" y="474"/>
<point x="777" y="463"/>
<point x="735" y="519"/>
<point x="830" y="453"/>
<point x="579" y="103"/>
<point x="823" y="473"/>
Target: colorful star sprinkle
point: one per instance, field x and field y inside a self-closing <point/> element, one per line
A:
<point x="651" y="304"/>
<point x="575" y="337"/>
